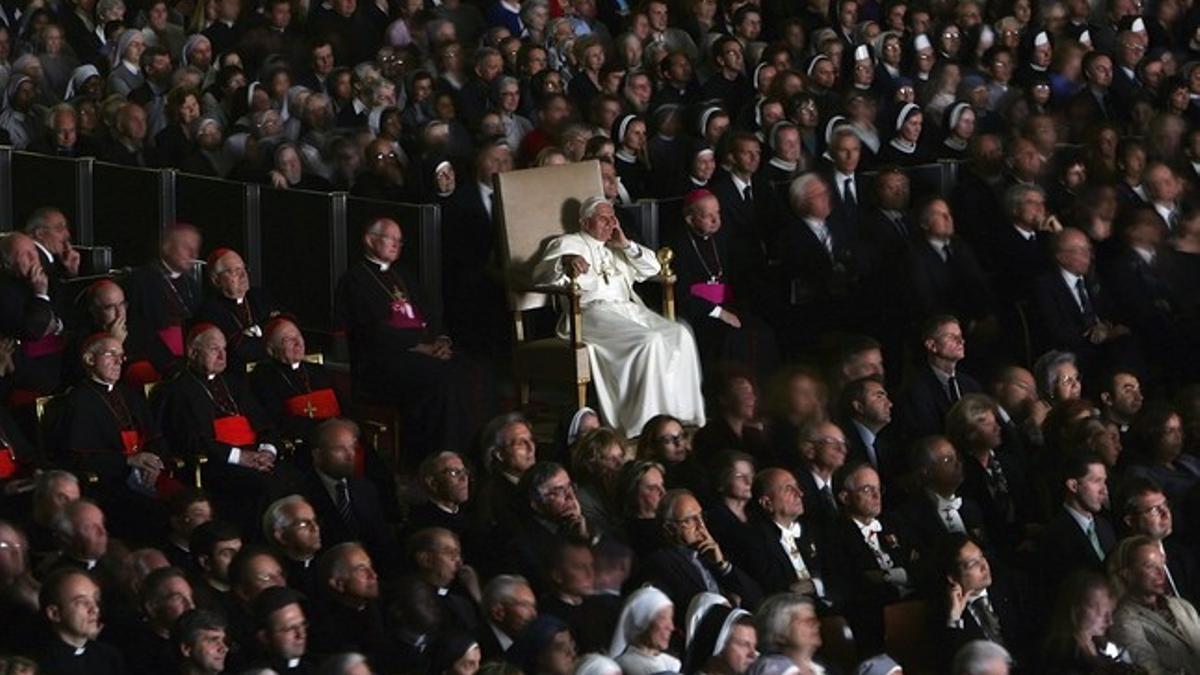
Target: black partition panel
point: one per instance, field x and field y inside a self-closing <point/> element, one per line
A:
<point x="300" y="261"/>
<point x="422" y="252"/>
<point x="218" y="208"/>
<point x="38" y="180"/>
<point x="127" y="212"/>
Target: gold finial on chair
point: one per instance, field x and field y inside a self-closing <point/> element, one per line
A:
<point x="665" y="256"/>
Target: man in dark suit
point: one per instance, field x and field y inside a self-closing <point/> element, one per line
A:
<point x="975" y="605"/>
<point x="939" y="384"/>
<point x="944" y="275"/>
<point x="818" y="262"/>
<point x="163" y="297"/>
<point x="782" y="551"/>
<point x="290" y="526"/>
<point x="572" y="597"/>
<point x="841" y="172"/>
<point x="1094" y="103"/>
<point x="1146" y="512"/>
<point x="509" y="606"/>
<point x="1021" y="251"/>
<point x="886" y="234"/>
<point x="691" y="561"/>
<point x="347" y="507"/>
<point x="347" y="615"/>
<point x="436" y="556"/>
<point x="281" y="632"/>
<point x="743" y="200"/>
<point x="866" y="413"/>
<point x="1073" y="311"/>
<point x="28" y="314"/>
<point x="937" y="510"/>
<point x="1078" y="536"/>
<point x="822" y="453"/>
<point x="871" y="554"/>
<point x="548" y="512"/>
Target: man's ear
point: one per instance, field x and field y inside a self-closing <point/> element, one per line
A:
<point x="857" y="407"/>
<point x="929" y="344"/>
<point x="53" y="613"/>
<point x="1072" y="485"/>
<point x="843" y="496"/>
<point x="1106" y="398"/>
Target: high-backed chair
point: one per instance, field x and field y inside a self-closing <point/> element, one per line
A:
<point x="535" y="206"/>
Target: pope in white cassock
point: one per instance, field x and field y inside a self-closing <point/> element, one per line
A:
<point x="642" y="364"/>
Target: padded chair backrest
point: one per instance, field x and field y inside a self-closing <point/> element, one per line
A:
<point x="906" y="634"/>
<point x="537" y="205"/>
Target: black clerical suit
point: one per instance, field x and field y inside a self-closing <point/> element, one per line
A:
<point x="475" y="303"/>
<point x="940" y="285"/>
<point x="365" y="524"/>
<point x="159" y="307"/>
<point x="382" y="313"/>
<point x="704" y="273"/>
<point x="592" y="622"/>
<point x="94" y="658"/>
<point x="101" y="426"/>
<point x="212" y="416"/>
<point x="337" y="629"/>
<point x="33" y="320"/>
<point x="241" y="322"/>
<point x="819" y="279"/>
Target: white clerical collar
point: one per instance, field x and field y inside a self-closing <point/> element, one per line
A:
<point x="904" y="146"/>
<point x="240" y="300"/>
<point x="625" y="156"/>
<point x="294" y="366"/>
<point x="107" y="386"/>
<point x="704" y="183"/>
<point x="210" y="377"/>
<point x="171" y="274"/>
<point x="1025" y="234"/>
<point x="442" y="591"/>
<point x="383" y="267"/>
<point x="293" y="663"/>
<point x="783" y="164"/>
<point x="43" y="249"/>
<point x="442" y="507"/>
<point x="80" y="650"/>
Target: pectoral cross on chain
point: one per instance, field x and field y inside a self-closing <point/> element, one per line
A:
<point x="309" y="409"/>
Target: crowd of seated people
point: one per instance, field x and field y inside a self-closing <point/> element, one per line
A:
<point x="945" y="426"/>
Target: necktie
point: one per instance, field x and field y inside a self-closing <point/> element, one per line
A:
<point x="1095" y="539"/>
<point x="747" y="194"/>
<point x="1173" y="220"/>
<point x="901" y="227"/>
<point x="988" y="621"/>
<point x="826" y="240"/>
<point x="827" y="495"/>
<point x="1085" y="303"/>
<point x="998" y="487"/>
<point x="947" y="255"/>
<point x="343" y="505"/>
<point x="952" y="389"/>
<point x="848" y="193"/>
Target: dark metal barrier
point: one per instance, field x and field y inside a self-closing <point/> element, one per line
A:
<point x="226" y="212"/>
<point x="65" y="184"/>
<point x="303" y="239"/>
<point x="128" y="212"/>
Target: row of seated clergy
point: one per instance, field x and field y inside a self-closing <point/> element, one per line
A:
<point x="625" y="340"/>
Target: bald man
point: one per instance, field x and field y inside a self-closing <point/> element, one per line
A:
<point x="398" y="351"/>
<point x="239" y="310"/>
<point x="163" y="297"/>
<point x="27" y="314"/>
<point x="207" y="411"/>
<point x="108" y="430"/>
<point x="106" y="311"/>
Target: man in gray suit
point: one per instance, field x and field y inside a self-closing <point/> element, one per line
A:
<point x="1161" y="632"/>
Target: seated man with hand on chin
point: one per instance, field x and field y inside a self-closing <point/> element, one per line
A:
<point x="642" y="364"/>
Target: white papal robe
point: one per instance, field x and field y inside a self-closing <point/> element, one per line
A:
<point x="642" y="364"/>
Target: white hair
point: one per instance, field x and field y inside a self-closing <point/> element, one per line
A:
<point x="587" y="210"/>
<point x="501" y="589"/>
<point x="276" y="515"/>
<point x="977" y="658"/>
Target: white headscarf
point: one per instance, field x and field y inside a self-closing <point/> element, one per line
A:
<point x="597" y="664"/>
<point x="697" y="608"/>
<point x="79" y="77"/>
<point x="636" y="616"/>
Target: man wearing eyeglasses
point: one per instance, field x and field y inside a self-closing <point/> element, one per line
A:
<point x="239" y="310"/>
<point x="383" y="177"/>
<point x="871" y="554"/>
<point x="447" y="482"/>
<point x="822" y="452"/>
<point x="976" y="604"/>
<point x="1147" y="512"/>
<point x="290" y="527"/>
<point x="347" y="614"/>
<point x="110" y="432"/>
<point x="166" y="595"/>
<point x="691" y="561"/>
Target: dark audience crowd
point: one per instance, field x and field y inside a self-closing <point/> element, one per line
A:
<point x="940" y="260"/>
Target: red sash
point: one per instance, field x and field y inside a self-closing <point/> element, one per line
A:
<point x="172" y="337"/>
<point x="320" y="404"/>
<point x="21" y="398"/>
<point x="140" y="373"/>
<point x="716" y="293"/>
<point x="406" y="315"/>
<point x="234" y="430"/>
<point x="132" y="440"/>
<point x="50" y="344"/>
<point x="8" y="463"/>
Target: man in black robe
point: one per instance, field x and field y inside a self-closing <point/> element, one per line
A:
<point x="109" y="431"/>
<point x="724" y="329"/>
<point x="206" y="411"/>
<point x="163" y="297"/>
<point x="70" y="602"/>
<point x="397" y="352"/>
<point x="28" y="314"/>
<point x="237" y="309"/>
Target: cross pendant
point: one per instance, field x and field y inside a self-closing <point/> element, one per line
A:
<point x="309" y="409"/>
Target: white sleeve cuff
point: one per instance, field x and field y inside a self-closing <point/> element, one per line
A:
<point x="954" y="623"/>
<point x="633" y="250"/>
<point x="715" y="313"/>
<point x="235" y="456"/>
<point x="267" y="447"/>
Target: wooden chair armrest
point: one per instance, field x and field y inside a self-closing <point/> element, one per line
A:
<point x="566" y="290"/>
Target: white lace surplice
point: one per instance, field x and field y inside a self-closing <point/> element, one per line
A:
<point x="642" y="364"/>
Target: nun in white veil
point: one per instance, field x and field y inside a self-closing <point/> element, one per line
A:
<point x="643" y="634"/>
